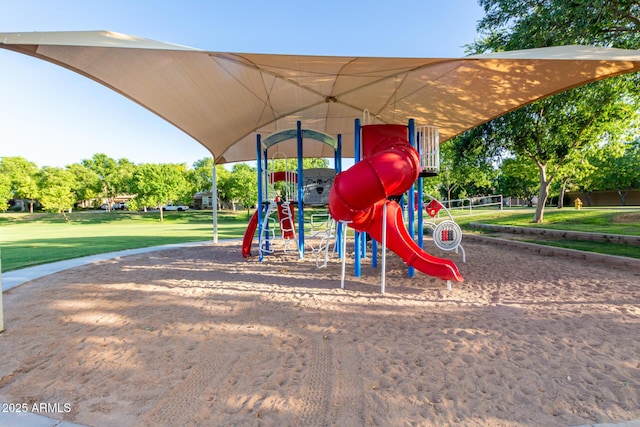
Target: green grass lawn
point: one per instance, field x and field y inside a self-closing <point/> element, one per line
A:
<point x="27" y="240"/>
<point x="595" y="220"/>
<point x="598" y="220"/>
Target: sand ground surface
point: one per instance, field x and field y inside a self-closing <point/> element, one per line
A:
<point x="199" y="336"/>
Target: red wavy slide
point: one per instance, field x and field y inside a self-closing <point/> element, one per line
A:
<point x="389" y="167"/>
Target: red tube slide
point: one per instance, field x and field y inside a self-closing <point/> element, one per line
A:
<point x="389" y="167"/>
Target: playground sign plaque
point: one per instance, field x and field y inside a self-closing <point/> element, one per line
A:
<point x="317" y="185"/>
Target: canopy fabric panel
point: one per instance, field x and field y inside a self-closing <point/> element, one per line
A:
<point x="223" y="99"/>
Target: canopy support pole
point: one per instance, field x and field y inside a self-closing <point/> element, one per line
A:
<point x="214" y="201"/>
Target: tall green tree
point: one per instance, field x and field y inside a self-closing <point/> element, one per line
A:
<point x="518" y="178"/>
<point x="104" y="167"/>
<point x="465" y="171"/>
<point x="56" y="189"/>
<point x="279" y="164"/>
<point x="517" y="24"/>
<point x="200" y="176"/>
<point x="158" y="184"/>
<point x="242" y="185"/>
<point x="617" y="167"/>
<point x="114" y="176"/>
<point x="575" y="171"/>
<point x="23" y="177"/>
<point x="85" y="182"/>
<point x="548" y="130"/>
<point x="124" y="175"/>
<point x="5" y="192"/>
<point x="222" y="179"/>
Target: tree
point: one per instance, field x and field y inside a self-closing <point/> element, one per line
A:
<point x="85" y="182"/>
<point x="5" y="192"/>
<point x="55" y="186"/>
<point x="200" y="176"/>
<point x="222" y="179"/>
<point x="158" y="184"/>
<point x="618" y="168"/>
<point x="548" y="130"/>
<point x="465" y="171"/>
<point x="124" y="175"/>
<point x="22" y="175"/>
<point x="114" y="176"/>
<point x="104" y="167"/>
<point x="517" y="24"/>
<point x="280" y="164"/>
<point x="575" y="170"/>
<point x="518" y="178"/>
<point x="431" y="186"/>
<point x="242" y="185"/>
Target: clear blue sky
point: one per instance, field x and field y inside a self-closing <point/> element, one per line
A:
<point x="55" y="117"/>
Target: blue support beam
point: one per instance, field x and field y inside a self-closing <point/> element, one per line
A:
<point x="260" y="184"/>
<point x="358" y="236"/>
<point x="300" y="192"/>
<point x="337" y="163"/>
<point x="411" y="201"/>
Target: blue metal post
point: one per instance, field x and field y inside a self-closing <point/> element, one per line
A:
<point x="259" y="207"/>
<point x="374" y="253"/>
<point x="357" y="235"/>
<point x="300" y="193"/>
<point x="337" y="163"/>
<point x="411" y="199"/>
<point x="265" y="171"/>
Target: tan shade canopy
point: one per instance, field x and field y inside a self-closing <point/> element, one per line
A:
<point x="223" y="99"/>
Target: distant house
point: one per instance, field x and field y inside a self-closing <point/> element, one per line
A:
<point x="95" y="203"/>
<point x="202" y="200"/>
<point x="22" y="205"/>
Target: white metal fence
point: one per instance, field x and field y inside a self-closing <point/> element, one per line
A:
<point x="474" y="203"/>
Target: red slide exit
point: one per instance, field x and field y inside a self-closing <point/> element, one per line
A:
<point x="389" y="167"/>
<point x="248" y="235"/>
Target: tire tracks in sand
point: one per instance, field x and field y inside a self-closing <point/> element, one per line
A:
<point x="179" y="405"/>
<point x="333" y="392"/>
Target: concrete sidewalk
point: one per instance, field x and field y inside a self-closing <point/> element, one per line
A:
<point x="11" y="279"/>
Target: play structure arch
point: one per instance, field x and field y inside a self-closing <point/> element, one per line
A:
<point x="289" y="134"/>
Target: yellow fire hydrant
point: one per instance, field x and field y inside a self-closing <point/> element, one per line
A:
<point x="578" y="203"/>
